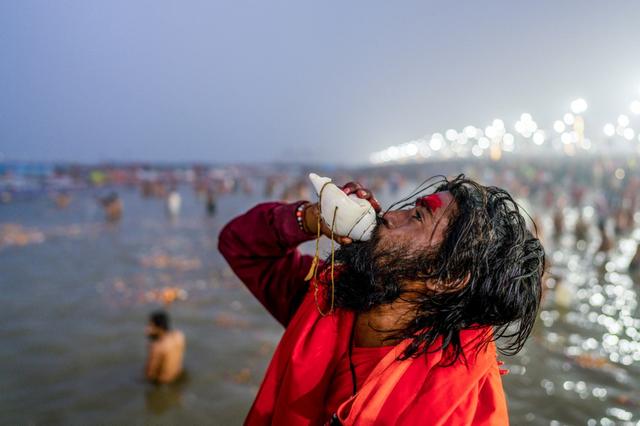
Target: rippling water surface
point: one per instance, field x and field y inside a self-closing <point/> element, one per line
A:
<point x="76" y="293"/>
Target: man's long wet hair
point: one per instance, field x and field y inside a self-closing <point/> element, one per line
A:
<point x="485" y="273"/>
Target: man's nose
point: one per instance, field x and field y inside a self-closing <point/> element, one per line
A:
<point x="394" y="218"/>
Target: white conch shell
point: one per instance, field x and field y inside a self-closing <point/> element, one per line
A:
<point x="355" y="217"/>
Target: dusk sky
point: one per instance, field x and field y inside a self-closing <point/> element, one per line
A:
<point x="326" y="82"/>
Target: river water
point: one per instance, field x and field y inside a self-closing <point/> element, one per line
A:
<point x="76" y="293"/>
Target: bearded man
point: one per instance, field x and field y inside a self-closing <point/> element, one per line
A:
<point x="402" y="330"/>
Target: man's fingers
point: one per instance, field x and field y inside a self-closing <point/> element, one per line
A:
<point x="359" y="191"/>
<point x="351" y="187"/>
<point x="348" y="188"/>
<point x="367" y="195"/>
<point x="375" y="203"/>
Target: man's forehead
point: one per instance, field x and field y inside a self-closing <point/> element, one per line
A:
<point x="436" y="200"/>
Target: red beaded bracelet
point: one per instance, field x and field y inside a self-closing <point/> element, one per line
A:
<point x="300" y="216"/>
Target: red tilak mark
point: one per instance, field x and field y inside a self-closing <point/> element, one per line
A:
<point x="433" y="201"/>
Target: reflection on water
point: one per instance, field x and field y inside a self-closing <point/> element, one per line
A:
<point x="77" y="292"/>
<point x="160" y="398"/>
<point x="581" y="365"/>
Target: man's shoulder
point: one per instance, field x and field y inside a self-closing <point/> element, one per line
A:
<point x="171" y="340"/>
<point x="178" y="336"/>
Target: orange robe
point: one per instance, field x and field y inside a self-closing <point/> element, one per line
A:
<point x="412" y="392"/>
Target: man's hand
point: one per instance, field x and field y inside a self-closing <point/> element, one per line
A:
<point x="356" y="188"/>
<point x="312" y="212"/>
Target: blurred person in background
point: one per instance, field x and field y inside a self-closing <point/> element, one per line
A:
<point x="165" y="351"/>
<point x="62" y="199"/>
<point x="211" y="202"/>
<point x="404" y="332"/>
<point x="173" y="202"/>
<point x="112" y="206"/>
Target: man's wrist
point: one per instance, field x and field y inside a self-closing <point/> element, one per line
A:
<point x="301" y="216"/>
<point x="311" y="215"/>
<point x="286" y="226"/>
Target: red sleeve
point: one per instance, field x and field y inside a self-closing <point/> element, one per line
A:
<point x="260" y="247"/>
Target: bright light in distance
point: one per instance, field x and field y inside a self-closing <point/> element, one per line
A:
<point x="492" y="140"/>
<point x="483" y="143"/>
<point x="526" y="126"/>
<point x="519" y="126"/>
<point x="623" y="120"/>
<point x="539" y="137"/>
<point x="609" y="130"/>
<point x="393" y="152"/>
<point x="628" y="133"/>
<point x="436" y="142"/>
<point x="508" y="139"/>
<point x="568" y="119"/>
<point x="559" y="126"/>
<point x="579" y="106"/>
<point x="508" y="142"/>
<point x="410" y="149"/>
<point x="574" y="136"/>
<point x="470" y="131"/>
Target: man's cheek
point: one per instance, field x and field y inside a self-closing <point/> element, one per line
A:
<point x="381" y="244"/>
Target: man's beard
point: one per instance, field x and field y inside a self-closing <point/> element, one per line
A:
<point x="371" y="275"/>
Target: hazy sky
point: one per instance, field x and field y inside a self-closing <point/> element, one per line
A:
<point x="331" y="82"/>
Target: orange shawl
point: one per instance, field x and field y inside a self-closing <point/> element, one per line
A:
<point x="416" y="391"/>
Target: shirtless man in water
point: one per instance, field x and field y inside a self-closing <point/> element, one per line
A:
<point x="166" y="349"/>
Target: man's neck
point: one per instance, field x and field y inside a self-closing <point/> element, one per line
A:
<point x="375" y="327"/>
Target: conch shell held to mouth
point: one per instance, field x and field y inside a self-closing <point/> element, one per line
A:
<point x="354" y="218"/>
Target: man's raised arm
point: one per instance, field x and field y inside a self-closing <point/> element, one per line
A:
<point x="261" y="248"/>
